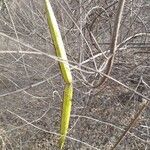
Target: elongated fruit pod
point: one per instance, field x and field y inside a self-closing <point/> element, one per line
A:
<point x="58" y="43"/>
<point x="65" y="70"/>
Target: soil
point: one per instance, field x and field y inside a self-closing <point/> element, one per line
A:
<point x="31" y="86"/>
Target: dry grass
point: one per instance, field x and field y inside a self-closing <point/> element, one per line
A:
<point x="31" y="86"/>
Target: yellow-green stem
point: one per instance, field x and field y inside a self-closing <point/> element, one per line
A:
<point x="65" y="70"/>
<point x="66" y="110"/>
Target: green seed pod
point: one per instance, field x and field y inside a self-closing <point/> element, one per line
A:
<point x="65" y="70"/>
<point x="58" y="43"/>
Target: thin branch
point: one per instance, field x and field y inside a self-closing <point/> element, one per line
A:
<point x="135" y="119"/>
<point x="113" y="45"/>
<point x="50" y="132"/>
